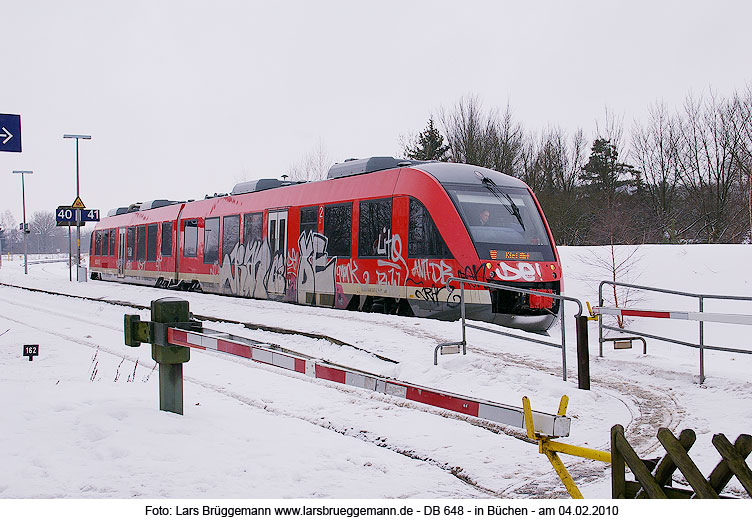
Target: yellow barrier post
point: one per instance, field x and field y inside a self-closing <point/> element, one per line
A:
<point x="550" y="448"/>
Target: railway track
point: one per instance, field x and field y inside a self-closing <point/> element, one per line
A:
<point x="649" y="408"/>
<point x="463" y="473"/>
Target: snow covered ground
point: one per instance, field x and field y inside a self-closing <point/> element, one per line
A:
<point x="82" y="421"/>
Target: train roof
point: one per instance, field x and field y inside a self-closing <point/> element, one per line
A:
<point x="360" y="166"/>
<point x="444" y="173"/>
<point x="449" y="173"/>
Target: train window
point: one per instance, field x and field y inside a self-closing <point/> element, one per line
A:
<point x="338" y="229"/>
<point x="253" y="228"/>
<point x="151" y="242"/>
<point x="97" y="243"/>
<point x="309" y="219"/>
<point x="230" y="234"/>
<point x="131" y="249"/>
<point x="113" y="234"/>
<point x="191" y="238"/>
<point x="211" y="240"/>
<point x="141" y="243"/>
<point x="166" y="239"/>
<point x="375" y="228"/>
<point x="106" y="242"/>
<point x="504" y="222"/>
<point x="423" y="237"/>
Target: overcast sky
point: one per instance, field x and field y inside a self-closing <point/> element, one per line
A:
<point x="185" y="98"/>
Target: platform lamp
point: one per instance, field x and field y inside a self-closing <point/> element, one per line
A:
<point x="78" y="196"/>
<point x="24" y="229"/>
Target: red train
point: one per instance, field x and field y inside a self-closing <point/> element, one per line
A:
<point x="380" y="234"/>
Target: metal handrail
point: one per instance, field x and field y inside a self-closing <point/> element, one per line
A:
<point x="561" y="298"/>
<point x="701" y="296"/>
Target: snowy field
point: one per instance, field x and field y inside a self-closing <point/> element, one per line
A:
<point x="82" y="422"/>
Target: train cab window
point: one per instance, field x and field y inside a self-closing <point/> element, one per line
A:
<point x="230" y="234"/>
<point x="131" y="244"/>
<point x="338" y="229"/>
<point x="97" y="243"/>
<point x="191" y="238"/>
<point x="309" y="219"/>
<point x="106" y="242"/>
<point x="151" y="242"/>
<point x="253" y="228"/>
<point x="423" y="237"/>
<point x="211" y="240"/>
<point x="141" y="243"/>
<point x="166" y="239"/>
<point x="504" y="222"/>
<point x="113" y="234"/>
<point x="375" y="228"/>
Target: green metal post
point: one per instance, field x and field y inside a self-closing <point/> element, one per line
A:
<point x="169" y="357"/>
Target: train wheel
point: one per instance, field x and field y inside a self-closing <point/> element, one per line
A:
<point x="404" y="309"/>
<point x="354" y="303"/>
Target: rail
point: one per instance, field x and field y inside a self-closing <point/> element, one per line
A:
<point x="583" y="365"/>
<point x="700" y="317"/>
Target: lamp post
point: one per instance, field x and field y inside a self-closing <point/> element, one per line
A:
<point x="78" y="196"/>
<point x="23" y="227"/>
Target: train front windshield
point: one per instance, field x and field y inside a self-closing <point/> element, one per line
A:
<point x="504" y="223"/>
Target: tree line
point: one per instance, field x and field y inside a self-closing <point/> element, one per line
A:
<point x="681" y="176"/>
<point x="43" y="234"/>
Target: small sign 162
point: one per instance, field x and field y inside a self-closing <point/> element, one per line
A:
<point x="31" y="351"/>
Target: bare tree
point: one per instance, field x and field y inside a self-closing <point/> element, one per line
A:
<point x="558" y="166"/>
<point x="10" y="230"/>
<point x="708" y="169"/>
<point x="43" y="225"/>
<point x="505" y="139"/>
<point x="466" y="129"/>
<point x="314" y="165"/>
<point x="743" y="154"/>
<point x="656" y="150"/>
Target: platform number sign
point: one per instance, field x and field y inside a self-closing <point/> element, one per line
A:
<point x="69" y="216"/>
<point x="90" y="215"/>
<point x="31" y="351"/>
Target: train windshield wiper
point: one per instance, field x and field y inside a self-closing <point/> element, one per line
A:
<point x="509" y="205"/>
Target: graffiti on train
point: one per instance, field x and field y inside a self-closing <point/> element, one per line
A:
<point x="251" y="271"/>
<point x="316" y="270"/>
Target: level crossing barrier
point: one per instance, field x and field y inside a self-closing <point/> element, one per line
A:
<point x="699" y="316"/>
<point x="583" y="352"/>
<point x="172" y="335"/>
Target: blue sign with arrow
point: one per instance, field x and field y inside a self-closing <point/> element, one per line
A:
<point x="10" y="133"/>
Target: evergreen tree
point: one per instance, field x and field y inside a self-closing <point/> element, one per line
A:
<point x="428" y="146"/>
<point x="605" y="175"/>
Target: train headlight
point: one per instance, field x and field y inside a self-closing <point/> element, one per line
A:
<point x="488" y="265"/>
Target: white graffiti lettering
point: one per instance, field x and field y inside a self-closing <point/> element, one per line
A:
<point x="524" y="271"/>
<point x="348" y="273"/>
<point x="316" y="270"/>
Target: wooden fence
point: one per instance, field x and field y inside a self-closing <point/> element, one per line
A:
<point x="653" y="478"/>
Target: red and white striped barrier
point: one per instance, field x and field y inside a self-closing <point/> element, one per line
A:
<point x="544" y="423"/>
<point x="727" y="318"/>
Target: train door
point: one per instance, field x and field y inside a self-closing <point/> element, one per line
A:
<point x="121" y="253"/>
<point x="276" y="283"/>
